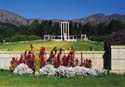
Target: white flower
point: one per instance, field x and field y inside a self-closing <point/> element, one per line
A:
<point x="93" y="72"/>
<point x="48" y="70"/>
<point x="22" y="69"/>
<point x="85" y="71"/>
<point x="69" y="72"/>
<point x="61" y="71"/>
<point x="78" y="70"/>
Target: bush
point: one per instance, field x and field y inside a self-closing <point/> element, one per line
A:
<point x="36" y="64"/>
<point x="100" y="38"/>
<point x="17" y="38"/>
<point x="118" y="38"/>
<point x="22" y="69"/>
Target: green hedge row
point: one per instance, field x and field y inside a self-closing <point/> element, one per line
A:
<point x="17" y="38"/>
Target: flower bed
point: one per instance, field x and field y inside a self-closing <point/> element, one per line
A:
<point x="57" y="64"/>
<point x="62" y="71"/>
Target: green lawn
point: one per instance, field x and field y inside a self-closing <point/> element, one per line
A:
<point x="8" y="79"/>
<point x="78" y="46"/>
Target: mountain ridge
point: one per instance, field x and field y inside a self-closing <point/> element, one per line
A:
<point x="101" y="18"/>
<point x="12" y="18"/>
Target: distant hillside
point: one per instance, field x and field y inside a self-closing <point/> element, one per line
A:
<point x="100" y="18"/>
<point x="12" y="18"/>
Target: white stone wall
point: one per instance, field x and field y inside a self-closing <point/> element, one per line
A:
<point x="96" y="56"/>
<point x="118" y="59"/>
<point x="5" y="58"/>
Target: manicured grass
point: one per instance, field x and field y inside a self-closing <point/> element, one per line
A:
<point x="8" y="79"/>
<point x="78" y="46"/>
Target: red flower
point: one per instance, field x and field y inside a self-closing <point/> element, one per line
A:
<point x="64" y="60"/>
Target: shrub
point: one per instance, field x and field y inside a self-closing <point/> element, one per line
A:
<point x="86" y="63"/>
<point x="37" y="64"/>
<point x="60" y="66"/>
<point x="100" y="38"/>
<point x="22" y="69"/>
<point x="118" y="38"/>
<point x="13" y="63"/>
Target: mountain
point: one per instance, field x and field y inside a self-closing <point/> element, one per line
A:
<point x="12" y="18"/>
<point x="100" y="18"/>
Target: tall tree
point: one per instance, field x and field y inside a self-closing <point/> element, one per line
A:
<point x="34" y="26"/>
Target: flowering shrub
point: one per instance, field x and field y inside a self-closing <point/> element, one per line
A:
<point x="57" y="65"/>
<point x="27" y="59"/>
<point x="13" y="63"/>
<point x="69" y="72"/>
<point x="36" y="64"/>
<point x="48" y="70"/>
<point x="66" y="71"/>
<point x="78" y="70"/>
<point x="83" y="71"/>
<point x="42" y="58"/>
<point x="93" y="72"/>
<point x="56" y="58"/>
<point x="22" y="69"/>
<point x="86" y="63"/>
<point x="61" y="71"/>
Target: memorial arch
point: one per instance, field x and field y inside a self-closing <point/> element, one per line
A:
<point x="65" y="31"/>
<point x="65" y="34"/>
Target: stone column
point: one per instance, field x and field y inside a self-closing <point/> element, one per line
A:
<point x="68" y="30"/>
<point x="61" y="30"/>
<point x="65" y="30"/>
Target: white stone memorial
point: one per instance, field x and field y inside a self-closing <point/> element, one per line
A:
<point x="65" y="31"/>
<point x="65" y="34"/>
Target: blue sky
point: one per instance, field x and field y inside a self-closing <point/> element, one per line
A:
<point x="62" y="9"/>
